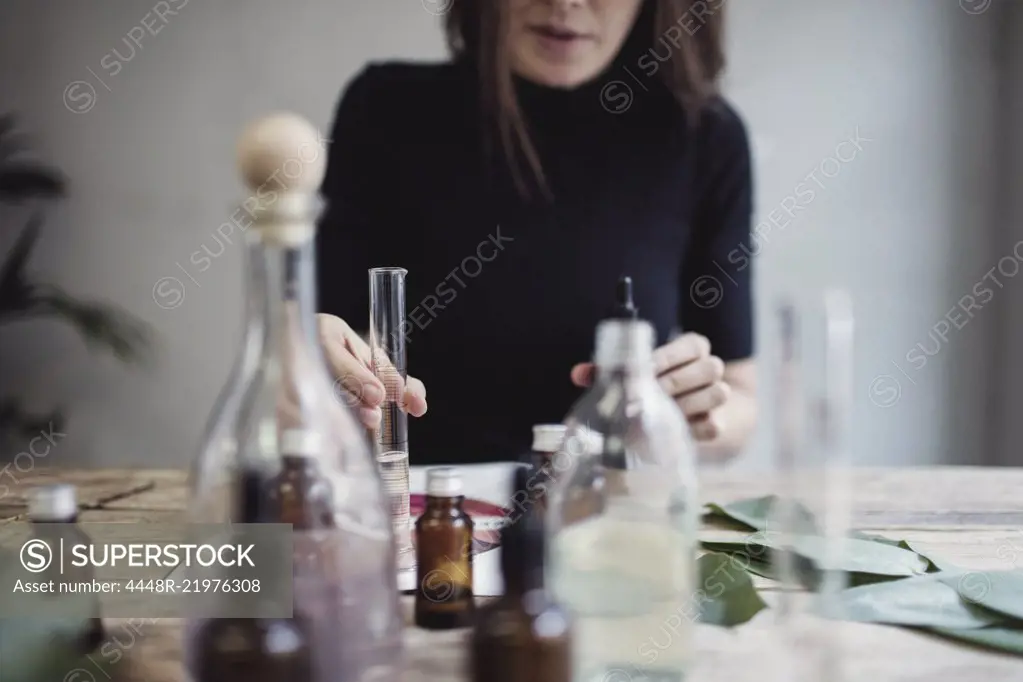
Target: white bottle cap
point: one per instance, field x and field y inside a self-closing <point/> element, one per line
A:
<point x="443" y="482"/>
<point x="548" y="437"/>
<point x="583" y="441"/>
<point x="53" y="503"/>
<point x="301" y="442"/>
<point x="624" y="343"/>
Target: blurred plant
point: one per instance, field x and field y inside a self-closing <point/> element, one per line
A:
<point x="25" y="182"/>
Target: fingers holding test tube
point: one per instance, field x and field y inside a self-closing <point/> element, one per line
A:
<point x="350" y="359"/>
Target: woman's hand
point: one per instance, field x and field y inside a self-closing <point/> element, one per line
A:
<point x="716" y="399"/>
<point x="351" y="361"/>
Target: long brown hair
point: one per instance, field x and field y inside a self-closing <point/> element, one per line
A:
<point x="691" y="31"/>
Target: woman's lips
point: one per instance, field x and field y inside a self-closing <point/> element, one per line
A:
<point x="557" y="42"/>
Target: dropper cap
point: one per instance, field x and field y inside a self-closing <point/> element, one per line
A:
<point x="625" y="307"/>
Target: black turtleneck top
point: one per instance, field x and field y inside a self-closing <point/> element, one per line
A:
<point x="504" y="292"/>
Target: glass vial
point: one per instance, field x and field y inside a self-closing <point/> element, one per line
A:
<point x="321" y="475"/>
<point x="624" y="520"/>
<point x="387" y="329"/>
<point x="53" y="512"/>
<point x="524" y="636"/>
<point x="444" y="596"/>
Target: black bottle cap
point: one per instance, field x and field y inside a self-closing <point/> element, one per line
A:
<point x="522" y="538"/>
<point x="625" y="308"/>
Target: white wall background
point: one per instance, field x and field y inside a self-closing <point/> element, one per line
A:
<point x="908" y="226"/>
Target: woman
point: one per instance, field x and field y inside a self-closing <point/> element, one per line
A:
<point x="569" y="142"/>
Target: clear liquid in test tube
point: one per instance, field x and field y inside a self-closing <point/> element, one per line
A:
<point x="387" y="341"/>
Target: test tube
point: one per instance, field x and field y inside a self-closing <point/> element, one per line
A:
<point x="788" y="441"/>
<point x="813" y="418"/>
<point x="835" y="427"/>
<point x="387" y="342"/>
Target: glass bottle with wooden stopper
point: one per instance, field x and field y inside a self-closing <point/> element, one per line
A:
<point x="524" y="636"/>
<point x="53" y="511"/>
<point x="254" y="649"/>
<point x="320" y="475"/>
<point x="444" y="595"/>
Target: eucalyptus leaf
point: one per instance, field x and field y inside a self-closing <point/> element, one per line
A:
<point x="998" y="591"/>
<point x="1005" y="639"/>
<point x="936" y="565"/>
<point x="923" y="601"/>
<point x="756" y="513"/>
<point x="726" y="594"/>
<point x="852" y="555"/>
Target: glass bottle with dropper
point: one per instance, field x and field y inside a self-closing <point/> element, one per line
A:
<point x="321" y="476"/>
<point x="623" y="521"/>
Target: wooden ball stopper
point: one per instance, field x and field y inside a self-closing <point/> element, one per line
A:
<point x="282" y="153"/>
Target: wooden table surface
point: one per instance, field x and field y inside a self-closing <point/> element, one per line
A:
<point x="972" y="517"/>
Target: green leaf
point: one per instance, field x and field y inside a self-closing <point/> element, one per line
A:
<point x="852" y="555"/>
<point x="935" y="564"/>
<point x="923" y="601"/>
<point x="998" y="591"/>
<point x="1005" y="639"/>
<point x="755" y="513"/>
<point x="726" y="593"/>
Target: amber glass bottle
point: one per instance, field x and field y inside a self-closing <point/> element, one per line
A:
<point x="53" y="511"/>
<point x="254" y="649"/>
<point x="544" y="460"/>
<point x="444" y="597"/>
<point x="524" y="636"/>
<point x="299" y="493"/>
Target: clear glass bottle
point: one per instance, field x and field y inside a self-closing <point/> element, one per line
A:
<point x="623" y="520"/>
<point x="211" y="473"/>
<point x="320" y="472"/>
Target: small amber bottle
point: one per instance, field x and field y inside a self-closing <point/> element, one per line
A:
<point x="524" y="636"/>
<point x="53" y="511"/>
<point x="444" y="597"/>
<point x="545" y="459"/>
